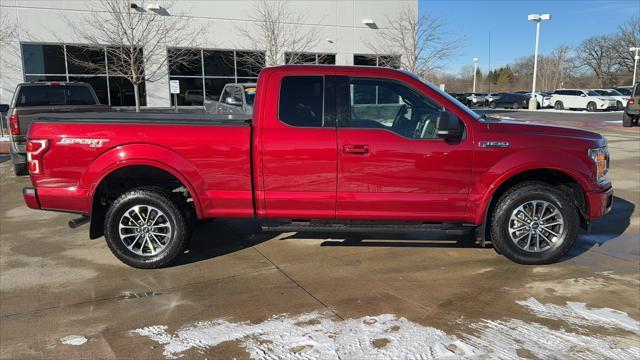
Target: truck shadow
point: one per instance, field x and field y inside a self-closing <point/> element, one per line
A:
<point x="219" y="237"/>
<point x="610" y="227"/>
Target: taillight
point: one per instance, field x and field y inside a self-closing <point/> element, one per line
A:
<point x="631" y="101"/>
<point x="14" y="124"/>
<point x="35" y="150"/>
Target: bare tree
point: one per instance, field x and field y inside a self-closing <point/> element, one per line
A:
<point x="596" y="53"/>
<point x="628" y="36"/>
<point x="277" y="30"/>
<point x="8" y="30"/>
<point x="136" y="41"/>
<point x="420" y="42"/>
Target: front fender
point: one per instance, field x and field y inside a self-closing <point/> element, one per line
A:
<point x="144" y="154"/>
<point x="522" y="161"/>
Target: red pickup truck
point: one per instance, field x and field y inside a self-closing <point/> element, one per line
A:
<point x="327" y="148"/>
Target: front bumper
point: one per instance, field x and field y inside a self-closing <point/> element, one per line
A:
<point x="599" y="202"/>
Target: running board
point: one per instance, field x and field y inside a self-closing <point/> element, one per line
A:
<point x="351" y="227"/>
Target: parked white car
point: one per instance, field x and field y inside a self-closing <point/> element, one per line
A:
<point x="621" y="100"/>
<point x="581" y="99"/>
<point x="477" y="98"/>
<point x="543" y="99"/>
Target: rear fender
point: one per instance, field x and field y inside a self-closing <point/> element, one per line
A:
<point x="149" y="155"/>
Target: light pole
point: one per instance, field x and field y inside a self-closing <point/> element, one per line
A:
<point x="537" y="18"/>
<point x="475" y="70"/>
<point x="635" y="63"/>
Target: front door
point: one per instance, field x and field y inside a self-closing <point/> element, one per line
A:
<point x="391" y="164"/>
<point x="299" y="148"/>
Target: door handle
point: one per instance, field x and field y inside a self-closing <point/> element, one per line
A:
<point x="356" y="149"/>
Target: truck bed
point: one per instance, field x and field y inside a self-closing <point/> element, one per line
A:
<point x="210" y="153"/>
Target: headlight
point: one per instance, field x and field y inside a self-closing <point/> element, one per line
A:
<point x="600" y="157"/>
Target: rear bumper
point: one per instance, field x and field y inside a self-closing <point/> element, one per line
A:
<point x="31" y="198"/>
<point x="72" y="200"/>
<point x="599" y="202"/>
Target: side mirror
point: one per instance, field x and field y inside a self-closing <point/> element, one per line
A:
<point x="449" y="126"/>
<point x="232" y="101"/>
<point x="4" y="108"/>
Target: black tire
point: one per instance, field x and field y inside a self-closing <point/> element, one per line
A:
<point x="492" y="105"/>
<point x="538" y="105"/>
<point x="521" y="194"/>
<point x="173" y="215"/>
<point x="619" y="105"/>
<point x="516" y="105"/>
<point x="627" y="120"/>
<point x="591" y="106"/>
<point x="558" y="105"/>
<point x="20" y="169"/>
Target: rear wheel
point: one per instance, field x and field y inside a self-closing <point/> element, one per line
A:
<point x="146" y="229"/>
<point x="534" y="223"/>
<point x="516" y="105"/>
<point x="558" y="105"/>
<point x="627" y="120"/>
<point x="619" y="105"/>
<point x="492" y="105"/>
<point x="591" y="106"/>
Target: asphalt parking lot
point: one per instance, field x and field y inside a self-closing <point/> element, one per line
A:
<point x="241" y="293"/>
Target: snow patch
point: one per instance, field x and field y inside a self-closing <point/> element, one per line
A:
<point x="577" y="313"/>
<point x="75" y="340"/>
<point x="387" y="336"/>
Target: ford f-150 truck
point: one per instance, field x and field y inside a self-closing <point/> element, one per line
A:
<point x="328" y="148"/>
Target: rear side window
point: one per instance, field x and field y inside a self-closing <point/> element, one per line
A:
<point x="301" y="101"/>
<point x="636" y="91"/>
<point x="54" y="95"/>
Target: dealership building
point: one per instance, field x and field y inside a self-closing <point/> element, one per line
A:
<point x="45" y="41"/>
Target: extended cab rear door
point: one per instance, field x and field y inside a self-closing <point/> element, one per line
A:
<point x="298" y="145"/>
<point x="391" y="163"/>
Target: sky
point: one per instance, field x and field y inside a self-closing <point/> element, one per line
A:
<point x="513" y="36"/>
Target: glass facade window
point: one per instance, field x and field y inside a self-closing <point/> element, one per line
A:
<point x="310" y="58"/>
<point x="210" y="72"/>
<point x="61" y="62"/>
<point x="391" y="61"/>
<point x="43" y="59"/>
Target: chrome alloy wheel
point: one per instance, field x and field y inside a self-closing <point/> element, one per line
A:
<point x="536" y="226"/>
<point x="144" y="230"/>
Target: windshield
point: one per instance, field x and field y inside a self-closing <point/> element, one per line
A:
<point x="613" y="92"/>
<point x="593" y="93"/>
<point x="451" y="98"/>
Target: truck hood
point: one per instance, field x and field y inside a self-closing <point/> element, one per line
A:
<point x="537" y="129"/>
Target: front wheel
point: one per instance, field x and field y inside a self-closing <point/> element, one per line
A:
<point x="558" y="105"/>
<point x="591" y="106"/>
<point x="516" y="105"/>
<point x="534" y="223"/>
<point x="145" y="228"/>
<point x="492" y="105"/>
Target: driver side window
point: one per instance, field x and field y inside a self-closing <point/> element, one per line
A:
<point x="390" y="105"/>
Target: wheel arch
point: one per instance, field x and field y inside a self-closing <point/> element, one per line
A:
<point x="133" y="162"/>
<point x="565" y="179"/>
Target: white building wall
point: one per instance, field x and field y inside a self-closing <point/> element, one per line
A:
<point x="339" y="21"/>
